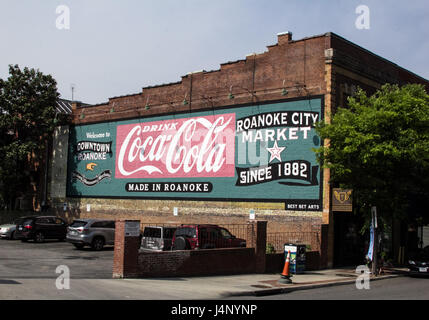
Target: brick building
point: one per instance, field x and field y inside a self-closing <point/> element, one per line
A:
<point x="295" y="82"/>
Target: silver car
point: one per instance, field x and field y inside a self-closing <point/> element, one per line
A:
<point x="157" y="238"/>
<point x="95" y="233"/>
<point x="7" y="231"/>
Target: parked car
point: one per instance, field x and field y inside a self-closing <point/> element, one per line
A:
<point x="39" y="228"/>
<point x="157" y="238"/>
<point x="95" y="233"/>
<point x="204" y="236"/>
<point x="7" y="231"/>
<point x="418" y="263"/>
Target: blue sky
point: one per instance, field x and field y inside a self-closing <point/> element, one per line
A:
<point x="117" y="47"/>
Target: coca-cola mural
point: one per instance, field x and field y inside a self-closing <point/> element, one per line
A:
<point x="250" y="153"/>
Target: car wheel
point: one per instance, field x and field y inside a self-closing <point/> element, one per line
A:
<point x="39" y="237"/>
<point x="78" y="245"/>
<point x="24" y="240"/>
<point x="97" y="244"/>
<point x="181" y="244"/>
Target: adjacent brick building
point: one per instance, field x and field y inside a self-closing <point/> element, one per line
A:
<point x="290" y="73"/>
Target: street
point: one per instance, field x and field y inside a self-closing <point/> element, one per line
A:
<point x="28" y="271"/>
<point x="29" y="260"/>
<point x="402" y="288"/>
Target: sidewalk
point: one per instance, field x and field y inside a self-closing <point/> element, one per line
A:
<point x="311" y="280"/>
<point x="202" y="288"/>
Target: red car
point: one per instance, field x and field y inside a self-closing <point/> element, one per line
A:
<point x="204" y="236"/>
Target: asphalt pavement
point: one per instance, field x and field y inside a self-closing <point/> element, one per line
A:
<point x="29" y="260"/>
<point x="28" y="271"/>
<point x="400" y="288"/>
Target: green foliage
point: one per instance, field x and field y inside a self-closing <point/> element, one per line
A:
<point x="379" y="147"/>
<point x="270" y="249"/>
<point x="27" y="119"/>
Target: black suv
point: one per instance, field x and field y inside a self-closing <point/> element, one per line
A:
<point x="39" y="228"/>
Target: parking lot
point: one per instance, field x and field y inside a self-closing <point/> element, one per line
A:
<point x="29" y="260"/>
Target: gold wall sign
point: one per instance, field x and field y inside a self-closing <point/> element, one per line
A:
<point x="342" y="200"/>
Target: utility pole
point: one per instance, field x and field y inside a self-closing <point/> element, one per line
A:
<point x="376" y="240"/>
<point x="72" y="87"/>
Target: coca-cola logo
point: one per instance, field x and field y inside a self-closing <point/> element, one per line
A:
<point x="191" y="147"/>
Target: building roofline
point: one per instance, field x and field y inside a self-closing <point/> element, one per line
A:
<point x="332" y="34"/>
<point x="326" y="34"/>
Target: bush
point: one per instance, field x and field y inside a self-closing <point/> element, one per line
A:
<point x="270" y="249"/>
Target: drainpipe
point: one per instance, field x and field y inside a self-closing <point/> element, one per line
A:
<point x="45" y="189"/>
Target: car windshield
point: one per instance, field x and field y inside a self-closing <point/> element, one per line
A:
<point x="78" y="224"/>
<point x="186" y="232"/>
<point x="152" y="232"/>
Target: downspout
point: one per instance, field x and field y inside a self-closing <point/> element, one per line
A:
<point x="45" y="185"/>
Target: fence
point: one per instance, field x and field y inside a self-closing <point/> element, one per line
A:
<point x="278" y="239"/>
<point x="238" y="230"/>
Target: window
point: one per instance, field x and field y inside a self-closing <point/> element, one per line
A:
<point x="104" y="224"/>
<point x="110" y="224"/>
<point x="204" y="234"/>
<point x="169" y="232"/>
<point x="226" y="234"/>
<point x="99" y="224"/>
<point x="43" y="221"/>
<point x="152" y="232"/>
<point x="58" y="221"/>
<point x="214" y="234"/>
<point x="186" y="232"/>
<point x="78" y="224"/>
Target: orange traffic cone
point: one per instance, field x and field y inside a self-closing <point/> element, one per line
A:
<point x="285" y="276"/>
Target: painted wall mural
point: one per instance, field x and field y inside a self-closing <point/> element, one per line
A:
<point x="250" y="153"/>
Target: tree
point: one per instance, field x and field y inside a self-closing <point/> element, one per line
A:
<point x="27" y="119"/>
<point x="379" y="147"/>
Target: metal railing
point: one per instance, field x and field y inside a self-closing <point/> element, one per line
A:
<point x="277" y="240"/>
<point x="238" y="230"/>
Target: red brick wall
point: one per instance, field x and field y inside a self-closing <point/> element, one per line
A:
<point x="125" y="257"/>
<point x="370" y="65"/>
<point x="130" y="262"/>
<point x="196" y="262"/>
<point x="259" y="77"/>
<point x="300" y="66"/>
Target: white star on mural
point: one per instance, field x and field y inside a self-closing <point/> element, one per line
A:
<point x="275" y="152"/>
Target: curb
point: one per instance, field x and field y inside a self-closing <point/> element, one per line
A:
<point x="274" y="291"/>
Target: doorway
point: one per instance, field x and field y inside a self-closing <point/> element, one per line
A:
<point x="349" y="244"/>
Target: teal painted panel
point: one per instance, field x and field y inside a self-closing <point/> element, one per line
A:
<point x="249" y="153"/>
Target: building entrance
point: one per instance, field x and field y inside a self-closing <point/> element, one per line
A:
<point x="349" y="245"/>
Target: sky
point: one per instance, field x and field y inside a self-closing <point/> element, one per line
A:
<point x="115" y="48"/>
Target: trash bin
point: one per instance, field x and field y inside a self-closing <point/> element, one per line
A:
<point x="297" y="257"/>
